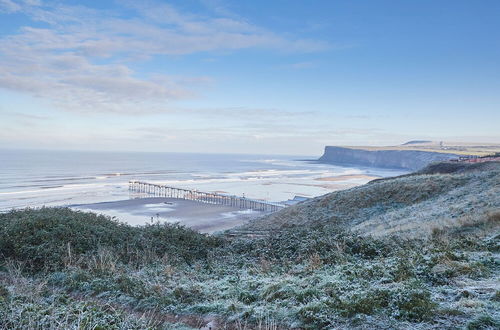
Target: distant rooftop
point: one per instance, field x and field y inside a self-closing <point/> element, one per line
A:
<point x="295" y="200"/>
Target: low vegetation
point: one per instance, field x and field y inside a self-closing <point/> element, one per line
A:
<point x="50" y="238"/>
<point x="441" y="195"/>
<point x="453" y="148"/>
<point x="65" y="269"/>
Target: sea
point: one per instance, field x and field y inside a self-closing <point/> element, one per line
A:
<point x="35" y="178"/>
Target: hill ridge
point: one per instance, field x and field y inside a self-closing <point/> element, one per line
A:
<point x="413" y="204"/>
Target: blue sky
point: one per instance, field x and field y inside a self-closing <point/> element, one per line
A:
<point x="282" y="77"/>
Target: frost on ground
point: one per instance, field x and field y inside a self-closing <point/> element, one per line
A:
<point x="441" y="195"/>
<point x="67" y="269"/>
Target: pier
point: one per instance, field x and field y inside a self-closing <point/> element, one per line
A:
<point x="158" y="190"/>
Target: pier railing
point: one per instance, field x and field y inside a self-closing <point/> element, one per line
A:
<point x="158" y="190"/>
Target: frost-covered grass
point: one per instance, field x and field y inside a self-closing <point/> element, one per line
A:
<point x="312" y="277"/>
<point x="413" y="204"/>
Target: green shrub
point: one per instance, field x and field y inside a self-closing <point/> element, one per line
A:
<point x="364" y="302"/>
<point x="317" y="314"/>
<point x="278" y="291"/>
<point x="248" y="297"/>
<point x="175" y="242"/>
<point x="413" y="302"/>
<point x="52" y="238"/>
<point x="188" y="294"/>
<point x="327" y="243"/>
<point x="49" y="238"/>
<point x="131" y="286"/>
<point x="483" y="322"/>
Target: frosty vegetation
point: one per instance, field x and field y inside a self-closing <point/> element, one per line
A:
<point x="441" y="195"/>
<point x="67" y="269"/>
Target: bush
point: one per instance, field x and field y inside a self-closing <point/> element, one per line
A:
<point x="326" y="243"/>
<point x="483" y="322"/>
<point x="413" y="302"/>
<point x="175" y="242"/>
<point x="51" y="238"/>
<point x="317" y="315"/>
<point x="365" y="302"/>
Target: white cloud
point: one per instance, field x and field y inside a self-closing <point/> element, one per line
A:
<point x="79" y="61"/>
<point x="9" y="6"/>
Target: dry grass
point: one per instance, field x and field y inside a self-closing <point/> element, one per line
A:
<point x="411" y="205"/>
<point x="452" y="148"/>
<point x="104" y="260"/>
<point x="315" y="262"/>
<point x="481" y="224"/>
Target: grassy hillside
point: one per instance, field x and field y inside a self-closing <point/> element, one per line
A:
<point x="465" y="149"/>
<point x="441" y="195"/>
<point x="65" y="269"/>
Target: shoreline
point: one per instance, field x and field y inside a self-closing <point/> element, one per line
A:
<point x="203" y="217"/>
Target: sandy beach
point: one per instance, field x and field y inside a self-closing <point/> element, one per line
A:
<point x="206" y="218"/>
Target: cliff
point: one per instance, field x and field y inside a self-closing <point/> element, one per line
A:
<point x="405" y="159"/>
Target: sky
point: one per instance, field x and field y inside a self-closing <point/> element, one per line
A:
<point x="263" y="77"/>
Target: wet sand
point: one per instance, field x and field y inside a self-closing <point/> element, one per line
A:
<point x="206" y="218"/>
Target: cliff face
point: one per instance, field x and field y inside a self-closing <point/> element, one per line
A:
<point x="405" y="159"/>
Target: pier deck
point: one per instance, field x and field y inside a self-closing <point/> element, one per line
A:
<point x="204" y="197"/>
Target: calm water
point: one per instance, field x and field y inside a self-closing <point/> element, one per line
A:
<point x="36" y="178"/>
